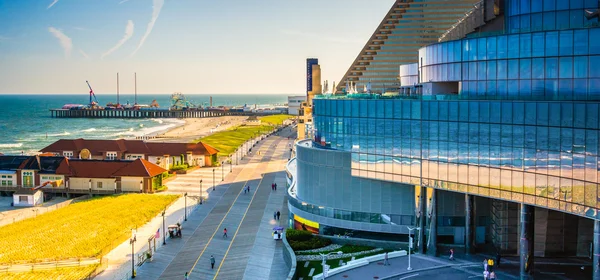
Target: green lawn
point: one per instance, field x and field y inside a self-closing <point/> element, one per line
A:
<point x="229" y="140"/>
<point x="275" y="119"/>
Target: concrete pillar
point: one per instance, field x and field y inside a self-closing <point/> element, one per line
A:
<point x="596" y="259"/>
<point x="526" y="241"/>
<point x="468" y="224"/>
<point x="422" y="219"/>
<point x="432" y="244"/>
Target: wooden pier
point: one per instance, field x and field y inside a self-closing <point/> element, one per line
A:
<point x="140" y="114"/>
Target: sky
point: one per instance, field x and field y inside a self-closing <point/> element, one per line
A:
<point x="189" y="46"/>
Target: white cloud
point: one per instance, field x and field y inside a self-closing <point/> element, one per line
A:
<point x="157" y="6"/>
<point x="52" y="4"/>
<point x="85" y="55"/>
<point x="128" y="34"/>
<point x="65" y="41"/>
<point x="123" y="1"/>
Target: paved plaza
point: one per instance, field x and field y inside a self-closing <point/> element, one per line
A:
<point x="249" y="251"/>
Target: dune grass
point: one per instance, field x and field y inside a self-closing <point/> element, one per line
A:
<point x="67" y="273"/>
<point x="86" y="229"/>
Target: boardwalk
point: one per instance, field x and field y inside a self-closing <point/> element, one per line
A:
<point x="248" y="218"/>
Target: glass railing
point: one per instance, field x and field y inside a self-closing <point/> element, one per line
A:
<point x="454" y="96"/>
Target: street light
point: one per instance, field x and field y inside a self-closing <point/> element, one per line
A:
<point x="410" y="244"/>
<point x="230" y="163"/>
<point x="222" y="172"/>
<point x="132" y="241"/>
<point x="213" y="179"/>
<point x="324" y="259"/>
<point x="200" y="191"/>
<point x="185" y="210"/>
<point x="164" y="233"/>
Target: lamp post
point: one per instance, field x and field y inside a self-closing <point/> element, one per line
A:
<point x="230" y="164"/>
<point x="213" y="179"/>
<point x="90" y="186"/>
<point x="200" y="191"/>
<point x="132" y="241"/>
<point x="141" y="186"/>
<point x="185" y="207"/>
<point x="164" y="233"/>
<point x="410" y="244"/>
<point x="325" y="258"/>
<point x="222" y="171"/>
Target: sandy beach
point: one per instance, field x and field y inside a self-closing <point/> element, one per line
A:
<point x="197" y="128"/>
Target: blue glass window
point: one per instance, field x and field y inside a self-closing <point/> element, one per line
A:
<point x="551" y="87"/>
<point x="472" y="70"/>
<point x="536" y="6"/>
<point x="491" y="86"/>
<point x="580" y="87"/>
<point x="581" y="41"/>
<point x="481" y="49"/>
<point x="580" y="67"/>
<point x="525" y="68"/>
<point x="537" y="87"/>
<point x="576" y="19"/>
<point x="594" y="44"/>
<point x="551" y="67"/>
<point x="565" y="87"/>
<point x="481" y="73"/>
<point x="491" y="48"/>
<point x="525" y="6"/>
<point x="549" y="5"/>
<point x="501" y="87"/>
<point x="502" y="47"/>
<point x="513" y="87"/>
<point x="549" y="20"/>
<point x="538" y="44"/>
<point x="554" y="119"/>
<point x="525" y="87"/>
<point x="513" y="8"/>
<point x="491" y="70"/>
<point x="562" y="5"/>
<point x="562" y="19"/>
<point x="525" y="45"/>
<point x="576" y="4"/>
<point x="537" y="68"/>
<point x="594" y="68"/>
<point x="551" y="43"/>
<point x="525" y="23"/>
<point x="591" y="4"/>
<point x="594" y="87"/>
<point x="565" y="65"/>
<point x="513" y="42"/>
<point x="537" y="22"/>
<point x="502" y="69"/>
<point x="515" y="24"/>
<point x="566" y="42"/>
<point x="513" y="68"/>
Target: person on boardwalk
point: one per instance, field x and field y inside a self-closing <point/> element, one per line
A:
<point x="275" y="186"/>
<point x="272" y="187"/>
<point x="451" y="255"/>
<point x="486" y="275"/>
<point x="275" y="215"/>
<point x="278" y="214"/>
<point x="187" y="275"/>
<point x="490" y="265"/>
<point x="492" y="275"/>
<point x="212" y="262"/>
<point x="225" y="233"/>
<point x="485" y="265"/>
<point x="385" y="259"/>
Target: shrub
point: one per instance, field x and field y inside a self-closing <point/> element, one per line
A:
<point x="179" y="167"/>
<point x="304" y="240"/>
<point x="298" y="235"/>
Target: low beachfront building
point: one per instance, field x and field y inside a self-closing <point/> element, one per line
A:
<point x="28" y="197"/>
<point x="295" y="103"/>
<point x="165" y="155"/>
<point x="102" y="176"/>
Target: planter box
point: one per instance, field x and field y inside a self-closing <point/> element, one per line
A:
<point x="185" y="171"/>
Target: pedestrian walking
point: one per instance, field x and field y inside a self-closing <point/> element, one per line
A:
<point x="272" y="187"/>
<point x="278" y="214"/>
<point x="187" y="274"/>
<point x="212" y="262"/>
<point x="275" y="215"/>
<point x="492" y="275"/>
<point x="248" y="188"/>
<point x="490" y="265"/>
<point x="486" y="275"/>
<point x="451" y="255"/>
<point x="385" y="259"/>
<point x="275" y="186"/>
<point x="225" y="233"/>
<point x="498" y="257"/>
<point x="485" y="265"/>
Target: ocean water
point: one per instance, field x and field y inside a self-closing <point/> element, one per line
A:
<point x="26" y="125"/>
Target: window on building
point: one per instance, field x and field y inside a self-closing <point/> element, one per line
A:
<point x="68" y="154"/>
<point x="22" y="198"/>
<point x="99" y="185"/>
<point x="28" y="178"/>
<point x="6" y="180"/>
<point x="111" y="155"/>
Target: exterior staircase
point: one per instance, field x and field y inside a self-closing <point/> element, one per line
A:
<point x="504" y="226"/>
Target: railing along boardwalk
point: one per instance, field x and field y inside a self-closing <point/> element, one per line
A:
<point x="152" y="113"/>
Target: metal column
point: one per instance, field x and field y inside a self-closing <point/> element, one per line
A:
<point x="432" y="244"/>
<point x="596" y="259"/>
<point x="526" y="241"/>
<point x="422" y="219"/>
<point x="468" y="223"/>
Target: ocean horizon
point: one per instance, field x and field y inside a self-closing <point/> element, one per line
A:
<point x="26" y="125"/>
